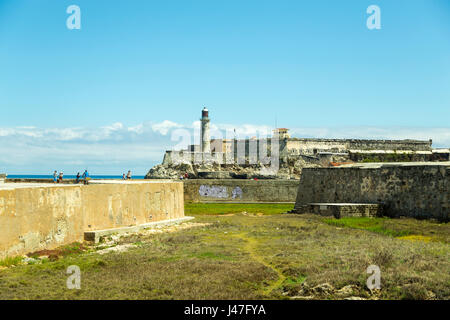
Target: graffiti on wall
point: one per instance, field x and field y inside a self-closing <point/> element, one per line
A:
<point x="213" y="191"/>
<point x="236" y="193"/>
<point x="220" y="192"/>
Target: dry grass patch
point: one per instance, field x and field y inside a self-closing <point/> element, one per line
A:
<point x="246" y="256"/>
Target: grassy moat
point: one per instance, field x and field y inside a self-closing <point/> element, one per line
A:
<point x="239" y="251"/>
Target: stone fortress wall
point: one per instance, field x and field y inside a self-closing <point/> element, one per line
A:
<point x="313" y="146"/>
<point x="34" y="217"/>
<point x="240" y="190"/>
<point x="414" y="189"/>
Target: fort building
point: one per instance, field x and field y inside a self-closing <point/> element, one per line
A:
<point x="294" y="153"/>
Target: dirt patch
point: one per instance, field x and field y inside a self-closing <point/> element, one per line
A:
<point x="55" y="254"/>
<point x="123" y="242"/>
<point x="257" y="214"/>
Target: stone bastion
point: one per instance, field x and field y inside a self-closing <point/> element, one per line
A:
<point x="38" y="216"/>
<point x="413" y="189"/>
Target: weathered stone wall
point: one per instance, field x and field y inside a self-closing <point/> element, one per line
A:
<point x="36" y="217"/>
<point x="310" y="146"/>
<point x="406" y="189"/>
<point x="414" y="145"/>
<point x="236" y="190"/>
<point x="390" y="156"/>
<point x="341" y="210"/>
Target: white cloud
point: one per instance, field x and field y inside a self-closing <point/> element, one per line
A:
<point x="116" y="148"/>
<point x="139" y="129"/>
<point x="164" y="127"/>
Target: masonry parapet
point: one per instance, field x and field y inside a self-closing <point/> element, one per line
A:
<point x="415" y="189"/>
<point x="38" y="216"/>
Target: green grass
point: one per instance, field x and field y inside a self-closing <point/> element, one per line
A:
<point x="370" y="224"/>
<point x="10" y="261"/>
<point x="407" y="228"/>
<point x="251" y="256"/>
<point x="233" y="208"/>
<point x="295" y="281"/>
<point x="212" y="255"/>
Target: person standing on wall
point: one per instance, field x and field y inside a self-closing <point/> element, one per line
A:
<point x="86" y="177"/>
<point x="129" y="175"/>
<point x="55" y="177"/>
<point x="60" y="179"/>
<point x="78" y="178"/>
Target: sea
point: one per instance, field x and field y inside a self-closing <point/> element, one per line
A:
<point x="43" y="176"/>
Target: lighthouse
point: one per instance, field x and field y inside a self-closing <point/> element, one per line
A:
<point x="205" y="140"/>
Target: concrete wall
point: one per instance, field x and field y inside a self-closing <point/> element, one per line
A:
<point x="45" y="216"/>
<point x="408" y="189"/>
<point x="236" y="190"/>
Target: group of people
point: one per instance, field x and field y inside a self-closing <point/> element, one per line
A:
<point x="58" y="178"/>
<point x="185" y="176"/>
<point x="127" y="176"/>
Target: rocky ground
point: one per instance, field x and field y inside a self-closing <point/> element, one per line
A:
<point x="287" y="170"/>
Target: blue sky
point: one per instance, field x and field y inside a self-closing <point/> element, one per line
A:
<point x="72" y="98"/>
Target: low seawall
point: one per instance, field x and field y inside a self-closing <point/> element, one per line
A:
<point x="237" y="190"/>
<point x="419" y="190"/>
<point x="44" y="216"/>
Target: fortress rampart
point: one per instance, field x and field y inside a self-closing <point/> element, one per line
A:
<point x="414" y="189"/>
<point x="44" y="216"/>
<point x="311" y="146"/>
